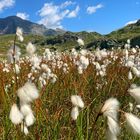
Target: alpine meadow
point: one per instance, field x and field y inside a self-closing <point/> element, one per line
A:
<point x="61" y="83"/>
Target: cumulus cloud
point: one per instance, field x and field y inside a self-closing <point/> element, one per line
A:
<point x="131" y="22"/>
<point x="22" y="15"/>
<point x="93" y="9"/>
<point x="52" y="15"/>
<point x="6" y="4"/>
<point x="74" y="13"/>
<point x="67" y="3"/>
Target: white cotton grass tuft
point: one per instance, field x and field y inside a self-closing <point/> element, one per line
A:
<point x="29" y="119"/>
<point x="28" y="93"/>
<point x="113" y="126"/>
<point x="133" y="123"/>
<point x="19" y="33"/>
<point x="24" y="129"/>
<point x="80" y="42"/>
<point x="135" y="93"/>
<point x="30" y="48"/>
<point x="15" y="115"/>
<point x="110" y="108"/>
<point x="17" y="69"/>
<point x="130" y="76"/>
<point x="31" y="90"/>
<point x="131" y="106"/>
<point x="13" y="54"/>
<point x="110" y="136"/>
<point x="77" y="101"/>
<point x="25" y="109"/>
<point x="74" y="113"/>
<point x="136" y="71"/>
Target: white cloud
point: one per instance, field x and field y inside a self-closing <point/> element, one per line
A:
<point x="23" y="15"/>
<point x="93" y="9"/>
<point x="131" y="22"/>
<point x="67" y="3"/>
<point x="52" y="15"/>
<point x="74" y="13"/>
<point x="5" y="4"/>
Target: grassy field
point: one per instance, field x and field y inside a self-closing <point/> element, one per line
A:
<point x="94" y="76"/>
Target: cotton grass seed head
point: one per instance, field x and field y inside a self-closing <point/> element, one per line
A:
<point x="74" y="113"/>
<point x="30" y="48"/>
<point x="27" y="93"/>
<point x="133" y="123"/>
<point x="77" y="101"/>
<point x="19" y="33"/>
<point x="15" y="115"/>
<point x="135" y="93"/>
<point x="110" y="108"/>
<point x="29" y="119"/>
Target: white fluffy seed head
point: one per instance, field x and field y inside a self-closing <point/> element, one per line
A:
<point x="80" y="42"/>
<point x="15" y="115"/>
<point x="130" y="75"/>
<point x="113" y="126"/>
<point x="110" y="136"/>
<point x="74" y="113"/>
<point x="29" y="119"/>
<point x="133" y="123"/>
<point x="24" y="129"/>
<point x="135" y="93"/>
<point x="31" y="90"/>
<point x="17" y="69"/>
<point x="135" y="71"/>
<point x="110" y="108"/>
<point x="23" y="96"/>
<point x="30" y="48"/>
<point x="25" y="109"/>
<point x="77" y="101"/>
<point x="28" y="93"/>
<point x="19" y="33"/>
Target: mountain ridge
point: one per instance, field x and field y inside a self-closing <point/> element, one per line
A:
<point x="9" y="24"/>
<point x="59" y="39"/>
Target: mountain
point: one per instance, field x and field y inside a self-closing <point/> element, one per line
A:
<point x="130" y="31"/>
<point x="64" y="40"/>
<point x="9" y="24"/>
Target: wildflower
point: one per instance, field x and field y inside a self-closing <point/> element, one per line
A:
<point x="28" y="93"/>
<point x="77" y="101"/>
<point x="15" y="115"/>
<point x="30" y="49"/>
<point x="113" y="126"/>
<point x="133" y="122"/>
<point x="135" y="71"/>
<point x="74" y="113"/>
<point x="29" y="119"/>
<point x="80" y="70"/>
<point x="84" y="62"/>
<point x="130" y="75"/>
<point x="25" y="109"/>
<point x="24" y="129"/>
<point x="110" y="136"/>
<point x="80" y="42"/>
<point x="13" y="54"/>
<point x="131" y="106"/>
<point x="129" y="63"/>
<point x="110" y="108"/>
<point x="19" y="33"/>
<point x="135" y="93"/>
<point x="17" y="69"/>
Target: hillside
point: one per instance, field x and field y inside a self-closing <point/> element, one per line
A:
<point x="61" y="40"/>
<point x="9" y="24"/>
<point x="130" y="31"/>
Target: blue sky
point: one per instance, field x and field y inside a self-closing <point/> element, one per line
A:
<point x="102" y="16"/>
